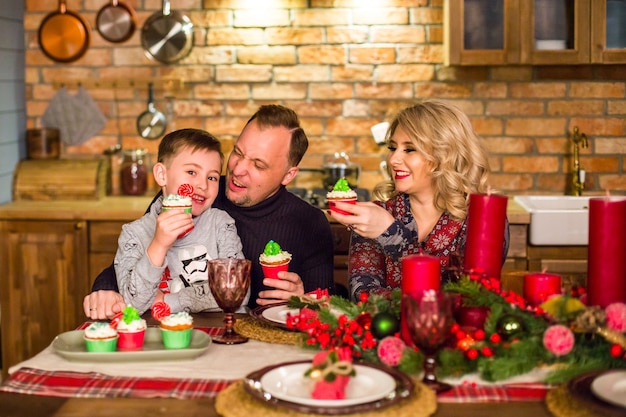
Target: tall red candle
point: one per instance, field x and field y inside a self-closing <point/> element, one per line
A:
<point x="419" y="273"/>
<point x="486" y="220"/>
<point x="606" y="253"/>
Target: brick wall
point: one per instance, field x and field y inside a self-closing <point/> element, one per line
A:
<point x="343" y="69"/>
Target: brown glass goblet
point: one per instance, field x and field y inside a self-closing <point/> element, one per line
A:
<point x="429" y="320"/>
<point x="229" y="281"/>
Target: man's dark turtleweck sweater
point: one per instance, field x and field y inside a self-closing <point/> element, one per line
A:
<point x="298" y="227"/>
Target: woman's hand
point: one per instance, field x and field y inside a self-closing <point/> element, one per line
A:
<point x="287" y="285"/>
<point x="367" y="219"/>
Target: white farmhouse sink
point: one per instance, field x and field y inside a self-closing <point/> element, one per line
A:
<point x="557" y="219"/>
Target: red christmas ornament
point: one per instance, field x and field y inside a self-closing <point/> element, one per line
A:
<point x="364" y="319"/>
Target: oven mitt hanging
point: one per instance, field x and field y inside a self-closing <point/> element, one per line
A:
<point x="77" y="117"/>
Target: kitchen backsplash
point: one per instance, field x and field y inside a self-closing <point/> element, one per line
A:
<point x="343" y="68"/>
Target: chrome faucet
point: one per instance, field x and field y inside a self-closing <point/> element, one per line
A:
<point x="578" y="175"/>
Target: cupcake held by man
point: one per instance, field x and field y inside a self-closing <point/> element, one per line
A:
<point x="274" y="260"/>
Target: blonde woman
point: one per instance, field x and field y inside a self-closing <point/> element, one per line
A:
<point x="435" y="161"/>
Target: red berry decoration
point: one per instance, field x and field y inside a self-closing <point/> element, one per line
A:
<point x="495" y="338"/>
<point x="160" y="310"/>
<point x="186" y="190"/>
<point x="471" y="354"/>
<point x="616" y="350"/>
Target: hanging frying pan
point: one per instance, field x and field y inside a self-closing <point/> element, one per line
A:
<point x="116" y="21"/>
<point x="151" y="123"/>
<point x="167" y="36"/>
<point x="64" y="35"/>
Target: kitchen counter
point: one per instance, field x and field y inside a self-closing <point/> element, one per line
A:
<point x="130" y="208"/>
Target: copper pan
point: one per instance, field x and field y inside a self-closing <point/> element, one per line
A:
<point x="64" y="35"/>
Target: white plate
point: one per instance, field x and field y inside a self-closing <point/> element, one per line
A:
<point x="71" y="346"/>
<point x="288" y="383"/>
<point x="278" y="314"/>
<point x="611" y="387"/>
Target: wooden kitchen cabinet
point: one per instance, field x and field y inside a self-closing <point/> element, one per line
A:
<point x="103" y="236"/>
<point x="568" y="261"/>
<point x="534" y="32"/>
<point x="43" y="284"/>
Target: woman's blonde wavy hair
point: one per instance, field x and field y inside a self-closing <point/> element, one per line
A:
<point x="444" y="135"/>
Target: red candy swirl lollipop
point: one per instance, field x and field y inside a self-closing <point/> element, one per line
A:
<point x="160" y="310"/>
<point x="186" y="190"/>
<point x="116" y="319"/>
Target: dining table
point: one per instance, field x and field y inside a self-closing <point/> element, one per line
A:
<point x="49" y="385"/>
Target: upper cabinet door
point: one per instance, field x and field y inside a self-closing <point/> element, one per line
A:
<point x="555" y="31"/>
<point x="534" y="32"/>
<point x="481" y="32"/>
<point x="608" y="36"/>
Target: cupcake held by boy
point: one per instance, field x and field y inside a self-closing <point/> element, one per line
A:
<point x="176" y="330"/>
<point x="343" y="193"/>
<point x="274" y="259"/>
<point x="100" y="337"/>
<point x="181" y="200"/>
<point x="131" y="329"/>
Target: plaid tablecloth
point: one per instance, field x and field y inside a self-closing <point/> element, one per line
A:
<point x="67" y="383"/>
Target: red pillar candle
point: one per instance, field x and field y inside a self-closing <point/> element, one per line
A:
<point x="606" y="253"/>
<point x="486" y="219"/>
<point x="419" y="273"/>
<point x="538" y="287"/>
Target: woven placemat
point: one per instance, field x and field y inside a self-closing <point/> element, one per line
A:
<point x="234" y="401"/>
<point x="562" y="404"/>
<point x="257" y="330"/>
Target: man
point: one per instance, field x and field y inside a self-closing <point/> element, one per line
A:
<point x="264" y="160"/>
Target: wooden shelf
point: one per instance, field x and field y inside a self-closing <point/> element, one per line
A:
<point x="168" y="84"/>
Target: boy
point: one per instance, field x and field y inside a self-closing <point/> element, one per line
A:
<point x="154" y="252"/>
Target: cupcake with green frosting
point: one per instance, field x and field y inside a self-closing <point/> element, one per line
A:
<point x="131" y="329"/>
<point x="341" y="192"/>
<point x="274" y="259"/>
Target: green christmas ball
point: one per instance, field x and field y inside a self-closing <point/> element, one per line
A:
<point x="384" y="324"/>
<point x="509" y="326"/>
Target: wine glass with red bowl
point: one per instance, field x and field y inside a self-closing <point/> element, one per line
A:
<point x="429" y="317"/>
<point x="229" y="281"/>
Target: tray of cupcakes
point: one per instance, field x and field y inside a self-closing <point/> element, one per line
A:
<point x="127" y="338"/>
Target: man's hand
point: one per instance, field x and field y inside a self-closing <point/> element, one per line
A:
<point x="287" y="285"/>
<point x="103" y="304"/>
